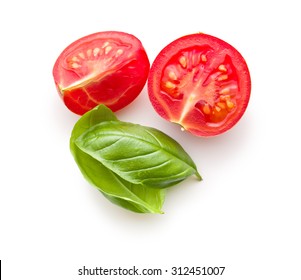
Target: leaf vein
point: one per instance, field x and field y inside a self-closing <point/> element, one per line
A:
<point x="170" y="177"/>
<point x="151" y="134"/>
<point x="123" y="135"/>
<point x="133" y="157"/>
<point x="148" y="167"/>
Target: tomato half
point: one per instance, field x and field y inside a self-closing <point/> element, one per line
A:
<point x="201" y="83"/>
<point x="108" y="68"/>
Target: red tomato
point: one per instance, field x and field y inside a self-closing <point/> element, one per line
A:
<point x="106" y="67"/>
<point x="201" y="83"/>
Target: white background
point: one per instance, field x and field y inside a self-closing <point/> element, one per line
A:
<point x="244" y="215"/>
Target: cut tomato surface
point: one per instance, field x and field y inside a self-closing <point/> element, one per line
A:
<point x="109" y="68"/>
<point x="201" y="83"/>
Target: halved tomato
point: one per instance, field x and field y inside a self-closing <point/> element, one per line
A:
<point x="108" y="68"/>
<point x="201" y="83"/>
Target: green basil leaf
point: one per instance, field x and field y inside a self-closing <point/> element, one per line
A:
<point x="95" y="116"/>
<point x="138" y="154"/>
<point x="125" y="194"/>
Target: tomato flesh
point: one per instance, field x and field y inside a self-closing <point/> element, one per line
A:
<point x="108" y="68"/>
<point x="201" y="83"/>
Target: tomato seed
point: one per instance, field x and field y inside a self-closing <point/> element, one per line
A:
<point x="217" y="108"/>
<point x="206" y="109"/>
<point x="225" y="91"/>
<point x="170" y="85"/>
<point x="108" y="49"/>
<point x="105" y="44"/>
<point x="222" y="77"/>
<point x="75" y="59"/>
<point x="183" y="61"/>
<point x="119" y="52"/>
<point x="172" y="75"/>
<point x="81" y="55"/>
<point x="222" y="68"/>
<point x="89" y="51"/>
<point x="230" y="104"/>
<point x="75" y="65"/>
<point x="221" y="105"/>
<point x="96" y="51"/>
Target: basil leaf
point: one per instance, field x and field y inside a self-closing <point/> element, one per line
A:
<point x="132" y="197"/>
<point x="138" y="154"/>
<point x="117" y="190"/>
<point x="95" y="116"/>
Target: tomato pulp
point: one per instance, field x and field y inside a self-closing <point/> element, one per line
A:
<point x="201" y="83"/>
<point x="109" y="68"/>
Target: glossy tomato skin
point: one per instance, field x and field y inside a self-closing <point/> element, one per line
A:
<point x="200" y="82"/>
<point x="109" y="68"/>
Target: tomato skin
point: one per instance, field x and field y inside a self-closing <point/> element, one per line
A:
<point x="109" y="68"/>
<point x="201" y="83"/>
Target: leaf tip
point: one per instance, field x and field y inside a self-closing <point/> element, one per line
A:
<point x="198" y="175"/>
